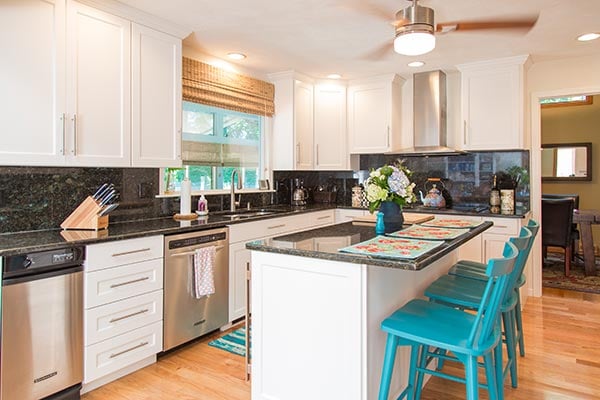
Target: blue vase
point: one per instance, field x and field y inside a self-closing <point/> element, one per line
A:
<point x="392" y="216"/>
<point x="379" y="225"/>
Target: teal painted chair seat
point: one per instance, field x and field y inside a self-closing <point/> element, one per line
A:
<point x="466" y="293"/>
<point x="425" y="325"/>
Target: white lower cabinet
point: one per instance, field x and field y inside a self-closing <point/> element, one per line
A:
<point x="347" y="214"/>
<point x="239" y="256"/>
<point x="123" y="304"/>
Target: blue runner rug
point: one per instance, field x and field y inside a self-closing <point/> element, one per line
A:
<point x="233" y="342"/>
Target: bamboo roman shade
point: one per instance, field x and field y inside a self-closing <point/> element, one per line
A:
<point x="205" y="84"/>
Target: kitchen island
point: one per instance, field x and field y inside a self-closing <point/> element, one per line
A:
<point x="316" y="311"/>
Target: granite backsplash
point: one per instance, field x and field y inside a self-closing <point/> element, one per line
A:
<point x="468" y="177"/>
<point x="38" y="198"/>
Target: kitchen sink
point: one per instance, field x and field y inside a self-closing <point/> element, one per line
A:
<point x="243" y="214"/>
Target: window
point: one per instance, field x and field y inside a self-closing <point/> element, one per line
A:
<point x="566" y="101"/>
<point x="216" y="141"/>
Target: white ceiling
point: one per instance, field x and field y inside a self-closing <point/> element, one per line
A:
<point x="319" y="37"/>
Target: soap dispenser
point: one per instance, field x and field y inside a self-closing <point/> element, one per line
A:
<point x="202" y="206"/>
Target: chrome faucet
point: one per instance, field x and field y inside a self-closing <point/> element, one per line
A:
<point x="232" y="191"/>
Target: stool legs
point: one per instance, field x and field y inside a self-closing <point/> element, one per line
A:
<point x="519" y="324"/>
<point x="388" y="366"/>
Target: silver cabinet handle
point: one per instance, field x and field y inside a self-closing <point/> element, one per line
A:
<point x="128" y="350"/>
<point x="298" y="153"/>
<point x="276" y="226"/>
<point x="128" y="316"/>
<point x="465" y="132"/>
<point x="325" y="217"/>
<point x="64" y="133"/>
<point x="388" y="137"/>
<point x="114" y="285"/>
<point x="191" y="253"/>
<point x="317" y="160"/>
<point x="74" y="119"/>
<point x="131" y="252"/>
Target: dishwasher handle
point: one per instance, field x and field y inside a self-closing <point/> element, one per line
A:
<point x="191" y="253"/>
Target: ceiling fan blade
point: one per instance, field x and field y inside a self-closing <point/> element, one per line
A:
<point x="523" y="23"/>
<point x="380" y="52"/>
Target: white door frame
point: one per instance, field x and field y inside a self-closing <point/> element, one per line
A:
<point x="536" y="171"/>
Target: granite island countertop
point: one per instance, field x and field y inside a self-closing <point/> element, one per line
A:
<point x="323" y="243"/>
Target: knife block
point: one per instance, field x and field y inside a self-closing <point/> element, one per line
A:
<point x="86" y="217"/>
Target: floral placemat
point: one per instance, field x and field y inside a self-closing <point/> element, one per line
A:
<point x="452" y="223"/>
<point x="389" y="247"/>
<point x="429" y="232"/>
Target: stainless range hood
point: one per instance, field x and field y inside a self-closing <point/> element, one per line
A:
<point x="429" y="115"/>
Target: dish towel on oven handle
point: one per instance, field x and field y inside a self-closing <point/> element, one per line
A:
<point x="204" y="261"/>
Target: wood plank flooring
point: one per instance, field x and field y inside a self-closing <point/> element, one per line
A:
<point x="562" y="362"/>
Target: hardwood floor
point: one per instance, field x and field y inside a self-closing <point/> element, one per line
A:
<point x="562" y="362"/>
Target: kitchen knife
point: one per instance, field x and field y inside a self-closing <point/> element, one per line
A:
<point x="102" y="193"/>
<point x="106" y="198"/>
<point x="96" y="196"/>
<point x="108" y="209"/>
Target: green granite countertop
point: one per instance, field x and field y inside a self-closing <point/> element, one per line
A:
<point x="323" y="243"/>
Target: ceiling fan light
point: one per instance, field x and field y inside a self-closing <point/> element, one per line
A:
<point x="414" y="43"/>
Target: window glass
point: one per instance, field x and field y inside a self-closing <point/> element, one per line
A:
<point x="215" y="143"/>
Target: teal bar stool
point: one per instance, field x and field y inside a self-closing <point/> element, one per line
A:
<point x="475" y="270"/>
<point x="466" y="293"/>
<point x="423" y="324"/>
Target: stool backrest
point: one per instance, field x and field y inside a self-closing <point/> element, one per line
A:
<point x="498" y="270"/>
<point x="523" y="243"/>
<point x="534" y="227"/>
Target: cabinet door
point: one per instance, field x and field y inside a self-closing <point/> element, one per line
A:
<point x="98" y="99"/>
<point x="331" y="152"/>
<point x="155" y="98"/>
<point x="303" y="124"/>
<point x="369" y="117"/>
<point x="32" y="97"/>
<point x="492" y="101"/>
<point x="493" y="245"/>
<point x="239" y="256"/>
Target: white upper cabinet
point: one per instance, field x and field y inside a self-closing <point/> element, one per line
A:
<point x="303" y="124"/>
<point x="66" y="88"/>
<point x="374" y="114"/>
<point x="331" y="152"/>
<point x="493" y="104"/>
<point x="98" y="95"/>
<point x="32" y="97"/>
<point x="155" y="98"/>
<point x="309" y="126"/>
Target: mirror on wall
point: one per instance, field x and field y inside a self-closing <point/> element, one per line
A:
<point x="567" y="162"/>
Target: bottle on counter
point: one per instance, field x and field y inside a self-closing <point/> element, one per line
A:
<point x="202" y="206"/>
<point x="495" y="197"/>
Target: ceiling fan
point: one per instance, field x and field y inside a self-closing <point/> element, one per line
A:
<point x="415" y="28"/>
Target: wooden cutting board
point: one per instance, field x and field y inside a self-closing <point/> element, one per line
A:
<point x="409" y="219"/>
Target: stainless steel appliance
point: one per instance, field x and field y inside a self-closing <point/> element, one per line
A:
<point x="299" y="194"/>
<point x="42" y="325"/>
<point x="185" y="316"/>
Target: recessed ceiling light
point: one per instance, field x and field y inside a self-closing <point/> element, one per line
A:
<point x="588" y="36"/>
<point x="236" y="56"/>
<point x="416" y="64"/>
<point x="334" y="76"/>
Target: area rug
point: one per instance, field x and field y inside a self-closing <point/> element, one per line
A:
<point x="553" y="275"/>
<point x="233" y="342"/>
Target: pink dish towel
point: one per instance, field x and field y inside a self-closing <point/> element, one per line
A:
<point x="204" y="282"/>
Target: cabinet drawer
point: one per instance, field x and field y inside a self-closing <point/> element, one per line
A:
<point x="122" y="316"/>
<point x="112" y="284"/>
<point x="504" y="226"/>
<point x="111" y="355"/>
<point x="112" y="254"/>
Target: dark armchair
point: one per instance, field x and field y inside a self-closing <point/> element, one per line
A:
<point x="557" y="221"/>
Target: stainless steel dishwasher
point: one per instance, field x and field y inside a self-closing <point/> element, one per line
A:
<point x="42" y="325"/>
<point x="186" y="317"/>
